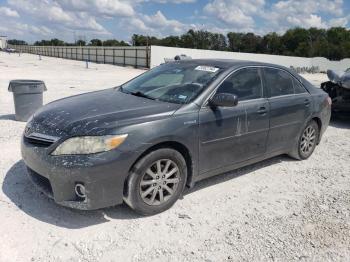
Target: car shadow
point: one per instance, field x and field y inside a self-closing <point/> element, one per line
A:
<point x="8" y="117"/>
<point x="340" y="121"/>
<point x="212" y="181"/>
<point x="19" y="189"/>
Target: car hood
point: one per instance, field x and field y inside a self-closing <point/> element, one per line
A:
<point x="97" y="113"/>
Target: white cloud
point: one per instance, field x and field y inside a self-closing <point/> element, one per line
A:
<point x="235" y="13"/>
<point x="342" y="21"/>
<point x="102" y="7"/>
<point x="262" y="17"/>
<point x="156" y="24"/>
<point x="22" y="29"/>
<point x="50" y="13"/>
<point x="159" y="21"/>
<point x="310" y="6"/>
<point x="174" y="1"/>
<point x="302" y="13"/>
<point x="5" y="11"/>
<point x="167" y="1"/>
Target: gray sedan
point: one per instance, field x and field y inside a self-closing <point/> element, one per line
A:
<point x="141" y="143"/>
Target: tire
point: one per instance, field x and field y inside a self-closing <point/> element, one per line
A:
<point x="307" y="141"/>
<point x="150" y="191"/>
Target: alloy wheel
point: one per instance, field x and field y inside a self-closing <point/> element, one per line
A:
<point x="308" y="140"/>
<point x="160" y="181"/>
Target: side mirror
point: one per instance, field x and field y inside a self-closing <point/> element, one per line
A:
<point x="223" y="99"/>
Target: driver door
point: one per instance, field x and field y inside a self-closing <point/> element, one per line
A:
<point x="229" y="135"/>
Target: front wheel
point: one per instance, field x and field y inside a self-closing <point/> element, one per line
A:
<point x="156" y="181"/>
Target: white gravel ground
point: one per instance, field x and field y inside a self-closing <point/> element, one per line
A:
<point x="277" y="210"/>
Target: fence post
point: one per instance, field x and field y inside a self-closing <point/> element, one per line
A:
<point x="136" y="58"/>
<point x="113" y="56"/>
<point x="124" y="56"/>
<point x="104" y="55"/>
<point x="147" y="57"/>
<point x="96" y="55"/>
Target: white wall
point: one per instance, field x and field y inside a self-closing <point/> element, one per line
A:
<point x="158" y="53"/>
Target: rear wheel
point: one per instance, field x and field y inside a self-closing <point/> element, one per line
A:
<point x="307" y="141"/>
<point x="156" y="181"/>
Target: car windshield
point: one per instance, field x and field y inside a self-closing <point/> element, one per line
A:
<point x="174" y="82"/>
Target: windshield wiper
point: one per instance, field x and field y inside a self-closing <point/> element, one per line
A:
<point x="140" y="94"/>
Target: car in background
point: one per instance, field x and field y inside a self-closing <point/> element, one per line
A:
<point x="338" y="89"/>
<point x="142" y="142"/>
<point x="10" y="50"/>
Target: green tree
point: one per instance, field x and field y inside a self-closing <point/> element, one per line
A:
<point x="272" y="44"/>
<point x="16" y="42"/>
<point x="81" y="43"/>
<point x="333" y="43"/>
<point x="251" y="43"/>
<point x="172" y="41"/>
<point x="235" y="41"/>
<point x="95" y="42"/>
<point x="52" y="42"/>
<point x="114" y="42"/>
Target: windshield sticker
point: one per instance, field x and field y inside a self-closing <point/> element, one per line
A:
<point x="209" y="69"/>
<point x="182" y="97"/>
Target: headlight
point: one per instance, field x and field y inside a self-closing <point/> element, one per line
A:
<point x="89" y="144"/>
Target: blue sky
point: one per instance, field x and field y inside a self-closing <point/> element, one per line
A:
<point x="68" y="19"/>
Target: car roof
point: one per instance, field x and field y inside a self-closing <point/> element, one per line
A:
<point x="228" y="63"/>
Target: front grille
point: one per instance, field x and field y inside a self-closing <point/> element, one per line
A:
<point x="41" y="182"/>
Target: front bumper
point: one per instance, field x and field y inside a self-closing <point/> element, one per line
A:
<point x="102" y="174"/>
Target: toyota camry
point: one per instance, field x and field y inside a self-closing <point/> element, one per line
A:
<point x="143" y="142"/>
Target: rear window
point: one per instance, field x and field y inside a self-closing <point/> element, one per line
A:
<point x="298" y="87"/>
<point x="279" y="82"/>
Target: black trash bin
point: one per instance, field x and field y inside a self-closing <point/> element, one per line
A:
<point x="28" y="97"/>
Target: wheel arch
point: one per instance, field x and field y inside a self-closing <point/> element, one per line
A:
<point x="181" y="148"/>
<point x="319" y="123"/>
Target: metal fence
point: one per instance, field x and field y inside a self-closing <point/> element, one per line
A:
<point x="126" y="56"/>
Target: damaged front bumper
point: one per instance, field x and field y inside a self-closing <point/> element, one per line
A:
<point x="340" y="96"/>
<point x="101" y="174"/>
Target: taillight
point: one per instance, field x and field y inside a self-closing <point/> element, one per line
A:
<point x="329" y="100"/>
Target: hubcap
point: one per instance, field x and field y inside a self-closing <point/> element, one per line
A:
<point x="308" y="140"/>
<point x="159" y="182"/>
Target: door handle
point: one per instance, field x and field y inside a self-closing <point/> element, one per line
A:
<point x="307" y="102"/>
<point x="262" y="110"/>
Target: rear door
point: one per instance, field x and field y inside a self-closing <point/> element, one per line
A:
<point x="289" y="108"/>
<point x="229" y="135"/>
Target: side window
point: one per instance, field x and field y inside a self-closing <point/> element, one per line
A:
<point x="298" y="87"/>
<point x="245" y="83"/>
<point x="279" y="82"/>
